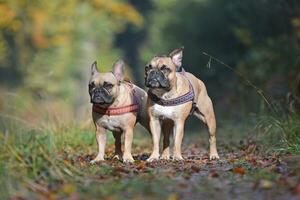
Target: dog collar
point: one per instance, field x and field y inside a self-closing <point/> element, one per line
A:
<point x="119" y="110"/>
<point x="189" y="96"/>
<point x="115" y="111"/>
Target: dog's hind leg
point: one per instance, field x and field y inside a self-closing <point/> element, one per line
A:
<point x="205" y="112"/>
<point x="118" y="150"/>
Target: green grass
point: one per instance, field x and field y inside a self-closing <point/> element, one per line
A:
<point x="282" y="133"/>
<point x="54" y="162"/>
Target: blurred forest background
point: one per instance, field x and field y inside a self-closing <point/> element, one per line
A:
<point x="46" y="134"/>
<point x="47" y="47"/>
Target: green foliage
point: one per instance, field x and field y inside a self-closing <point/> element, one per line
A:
<point x="281" y="133"/>
<point x="48" y="46"/>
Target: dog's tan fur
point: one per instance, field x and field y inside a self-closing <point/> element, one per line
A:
<point x="118" y="124"/>
<point x="168" y="118"/>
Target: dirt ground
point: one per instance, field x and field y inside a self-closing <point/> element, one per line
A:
<point x="246" y="170"/>
<point x="243" y="172"/>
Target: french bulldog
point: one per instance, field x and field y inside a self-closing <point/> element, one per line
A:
<point x="117" y="106"/>
<point x="168" y="85"/>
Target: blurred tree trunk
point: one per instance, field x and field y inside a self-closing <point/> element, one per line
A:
<point x="132" y="39"/>
<point x="11" y="70"/>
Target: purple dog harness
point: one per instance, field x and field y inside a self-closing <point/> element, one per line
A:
<point x="189" y="96"/>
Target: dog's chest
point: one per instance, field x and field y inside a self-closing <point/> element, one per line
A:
<point x="169" y="112"/>
<point x="111" y="123"/>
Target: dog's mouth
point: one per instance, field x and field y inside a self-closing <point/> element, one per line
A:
<point x="156" y="79"/>
<point x="101" y="96"/>
<point x="157" y="84"/>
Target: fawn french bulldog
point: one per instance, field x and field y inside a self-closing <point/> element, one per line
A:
<point x="117" y="106"/>
<point x="172" y="96"/>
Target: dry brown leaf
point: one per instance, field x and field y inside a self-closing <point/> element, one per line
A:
<point x="232" y="160"/>
<point x="195" y="168"/>
<point x="141" y="165"/>
<point x="239" y="170"/>
<point x="296" y="189"/>
<point x="121" y="169"/>
<point x="214" y="174"/>
<point x="182" y="185"/>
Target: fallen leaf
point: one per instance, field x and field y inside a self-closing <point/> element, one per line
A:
<point x="182" y="185"/>
<point x="141" y="165"/>
<point x="214" y="174"/>
<point x="296" y="189"/>
<point x="195" y="168"/>
<point x="121" y="169"/>
<point x="265" y="184"/>
<point x="68" y="188"/>
<point x="173" y="197"/>
<point x="282" y="181"/>
<point x="239" y="170"/>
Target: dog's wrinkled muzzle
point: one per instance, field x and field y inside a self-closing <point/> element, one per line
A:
<point x="156" y="79"/>
<point x="101" y="96"/>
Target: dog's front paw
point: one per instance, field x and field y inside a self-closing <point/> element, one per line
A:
<point x="128" y="159"/>
<point x="153" y="158"/>
<point x="214" y="156"/>
<point x="165" y="155"/>
<point x="96" y="160"/>
<point x="177" y="158"/>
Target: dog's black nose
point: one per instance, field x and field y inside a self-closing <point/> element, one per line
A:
<point x="154" y="83"/>
<point x="97" y="100"/>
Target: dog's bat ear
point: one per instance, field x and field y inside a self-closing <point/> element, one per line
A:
<point x="118" y="70"/>
<point x="94" y="69"/>
<point x="176" y="56"/>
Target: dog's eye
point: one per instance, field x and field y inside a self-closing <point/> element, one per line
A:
<point x="92" y="85"/>
<point x="148" y="67"/>
<point x="108" y="85"/>
<point x="165" y="69"/>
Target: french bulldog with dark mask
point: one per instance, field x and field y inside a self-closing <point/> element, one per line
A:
<point x="172" y="96"/>
<point x="117" y="106"/>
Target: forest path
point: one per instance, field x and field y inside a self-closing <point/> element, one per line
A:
<point x="244" y="171"/>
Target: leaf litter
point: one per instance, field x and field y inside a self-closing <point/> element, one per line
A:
<point x="245" y="170"/>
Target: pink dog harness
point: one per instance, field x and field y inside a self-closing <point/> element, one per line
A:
<point x="119" y="110"/>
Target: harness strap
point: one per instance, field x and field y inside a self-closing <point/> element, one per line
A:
<point x="115" y="111"/>
<point x="194" y="105"/>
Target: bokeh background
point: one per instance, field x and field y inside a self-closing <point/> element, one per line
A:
<point x="246" y="51"/>
<point x="47" y="47"/>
